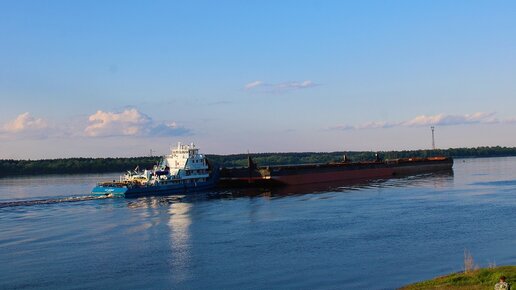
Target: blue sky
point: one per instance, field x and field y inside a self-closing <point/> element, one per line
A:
<point x="118" y="78"/>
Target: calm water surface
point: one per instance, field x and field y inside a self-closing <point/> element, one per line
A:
<point x="376" y="235"/>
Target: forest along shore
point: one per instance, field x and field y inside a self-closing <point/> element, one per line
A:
<point x="11" y="167"/>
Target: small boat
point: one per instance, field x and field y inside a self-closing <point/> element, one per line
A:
<point x="184" y="170"/>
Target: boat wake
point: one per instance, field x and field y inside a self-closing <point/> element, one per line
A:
<point x="49" y="201"/>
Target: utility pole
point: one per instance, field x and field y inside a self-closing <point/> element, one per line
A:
<point x="433" y="137"/>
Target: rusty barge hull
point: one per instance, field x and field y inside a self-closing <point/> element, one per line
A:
<point x="331" y="172"/>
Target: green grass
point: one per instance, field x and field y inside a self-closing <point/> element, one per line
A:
<point x="479" y="279"/>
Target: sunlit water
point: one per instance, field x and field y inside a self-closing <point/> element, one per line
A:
<point x="373" y="235"/>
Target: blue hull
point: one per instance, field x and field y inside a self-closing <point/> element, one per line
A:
<point x="101" y="191"/>
<point x="168" y="189"/>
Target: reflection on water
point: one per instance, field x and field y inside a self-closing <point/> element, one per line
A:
<point x="174" y="212"/>
<point x="153" y="201"/>
<point x="179" y="224"/>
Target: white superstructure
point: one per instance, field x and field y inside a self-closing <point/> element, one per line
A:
<point x="186" y="162"/>
<point x="183" y="165"/>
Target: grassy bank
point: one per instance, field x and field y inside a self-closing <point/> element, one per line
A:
<point x="478" y="279"/>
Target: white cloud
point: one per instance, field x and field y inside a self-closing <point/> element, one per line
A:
<point x="435" y="120"/>
<point x="447" y="120"/>
<point x="279" y="87"/>
<point x="253" y="85"/>
<point x="376" y="125"/>
<point x="510" y="120"/>
<point x="129" y="122"/>
<point x="342" y="127"/>
<point x="167" y="129"/>
<point x="25" y="126"/>
<point x="295" y="85"/>
<point x="23" y="123"/>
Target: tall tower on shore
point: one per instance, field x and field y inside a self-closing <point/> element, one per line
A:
<point x="433" y="137"/>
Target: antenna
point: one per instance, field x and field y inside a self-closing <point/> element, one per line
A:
<point x="433" y="137"/>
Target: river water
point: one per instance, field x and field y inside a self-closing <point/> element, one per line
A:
<point x="374" y="235"/>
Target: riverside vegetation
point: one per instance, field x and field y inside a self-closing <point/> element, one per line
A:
<point x="484" y="278"/>
<point x="472" y="278"/>
<point x="10" y="167"/>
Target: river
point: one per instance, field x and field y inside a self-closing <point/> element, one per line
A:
<point x="379" y="234"/>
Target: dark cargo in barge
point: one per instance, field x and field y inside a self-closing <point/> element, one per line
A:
<point x="330" y="172"/>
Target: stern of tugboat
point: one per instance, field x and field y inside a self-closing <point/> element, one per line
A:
<point x="108" y="191"/>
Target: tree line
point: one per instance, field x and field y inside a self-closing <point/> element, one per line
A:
<point x="9" y="167"/>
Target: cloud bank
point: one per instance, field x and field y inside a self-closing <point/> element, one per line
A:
<point x="129" y="122"/>
<point x="260" y="86"/>
<point x="435" y="120"/>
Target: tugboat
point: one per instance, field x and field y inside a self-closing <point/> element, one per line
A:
<point x="182" y="171"/>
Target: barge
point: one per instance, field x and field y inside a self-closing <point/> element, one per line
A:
<point x="330" y="172"/>
<point x="185" y="170"/>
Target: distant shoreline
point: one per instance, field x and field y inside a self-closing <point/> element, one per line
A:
<point x="10" y="167"/>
